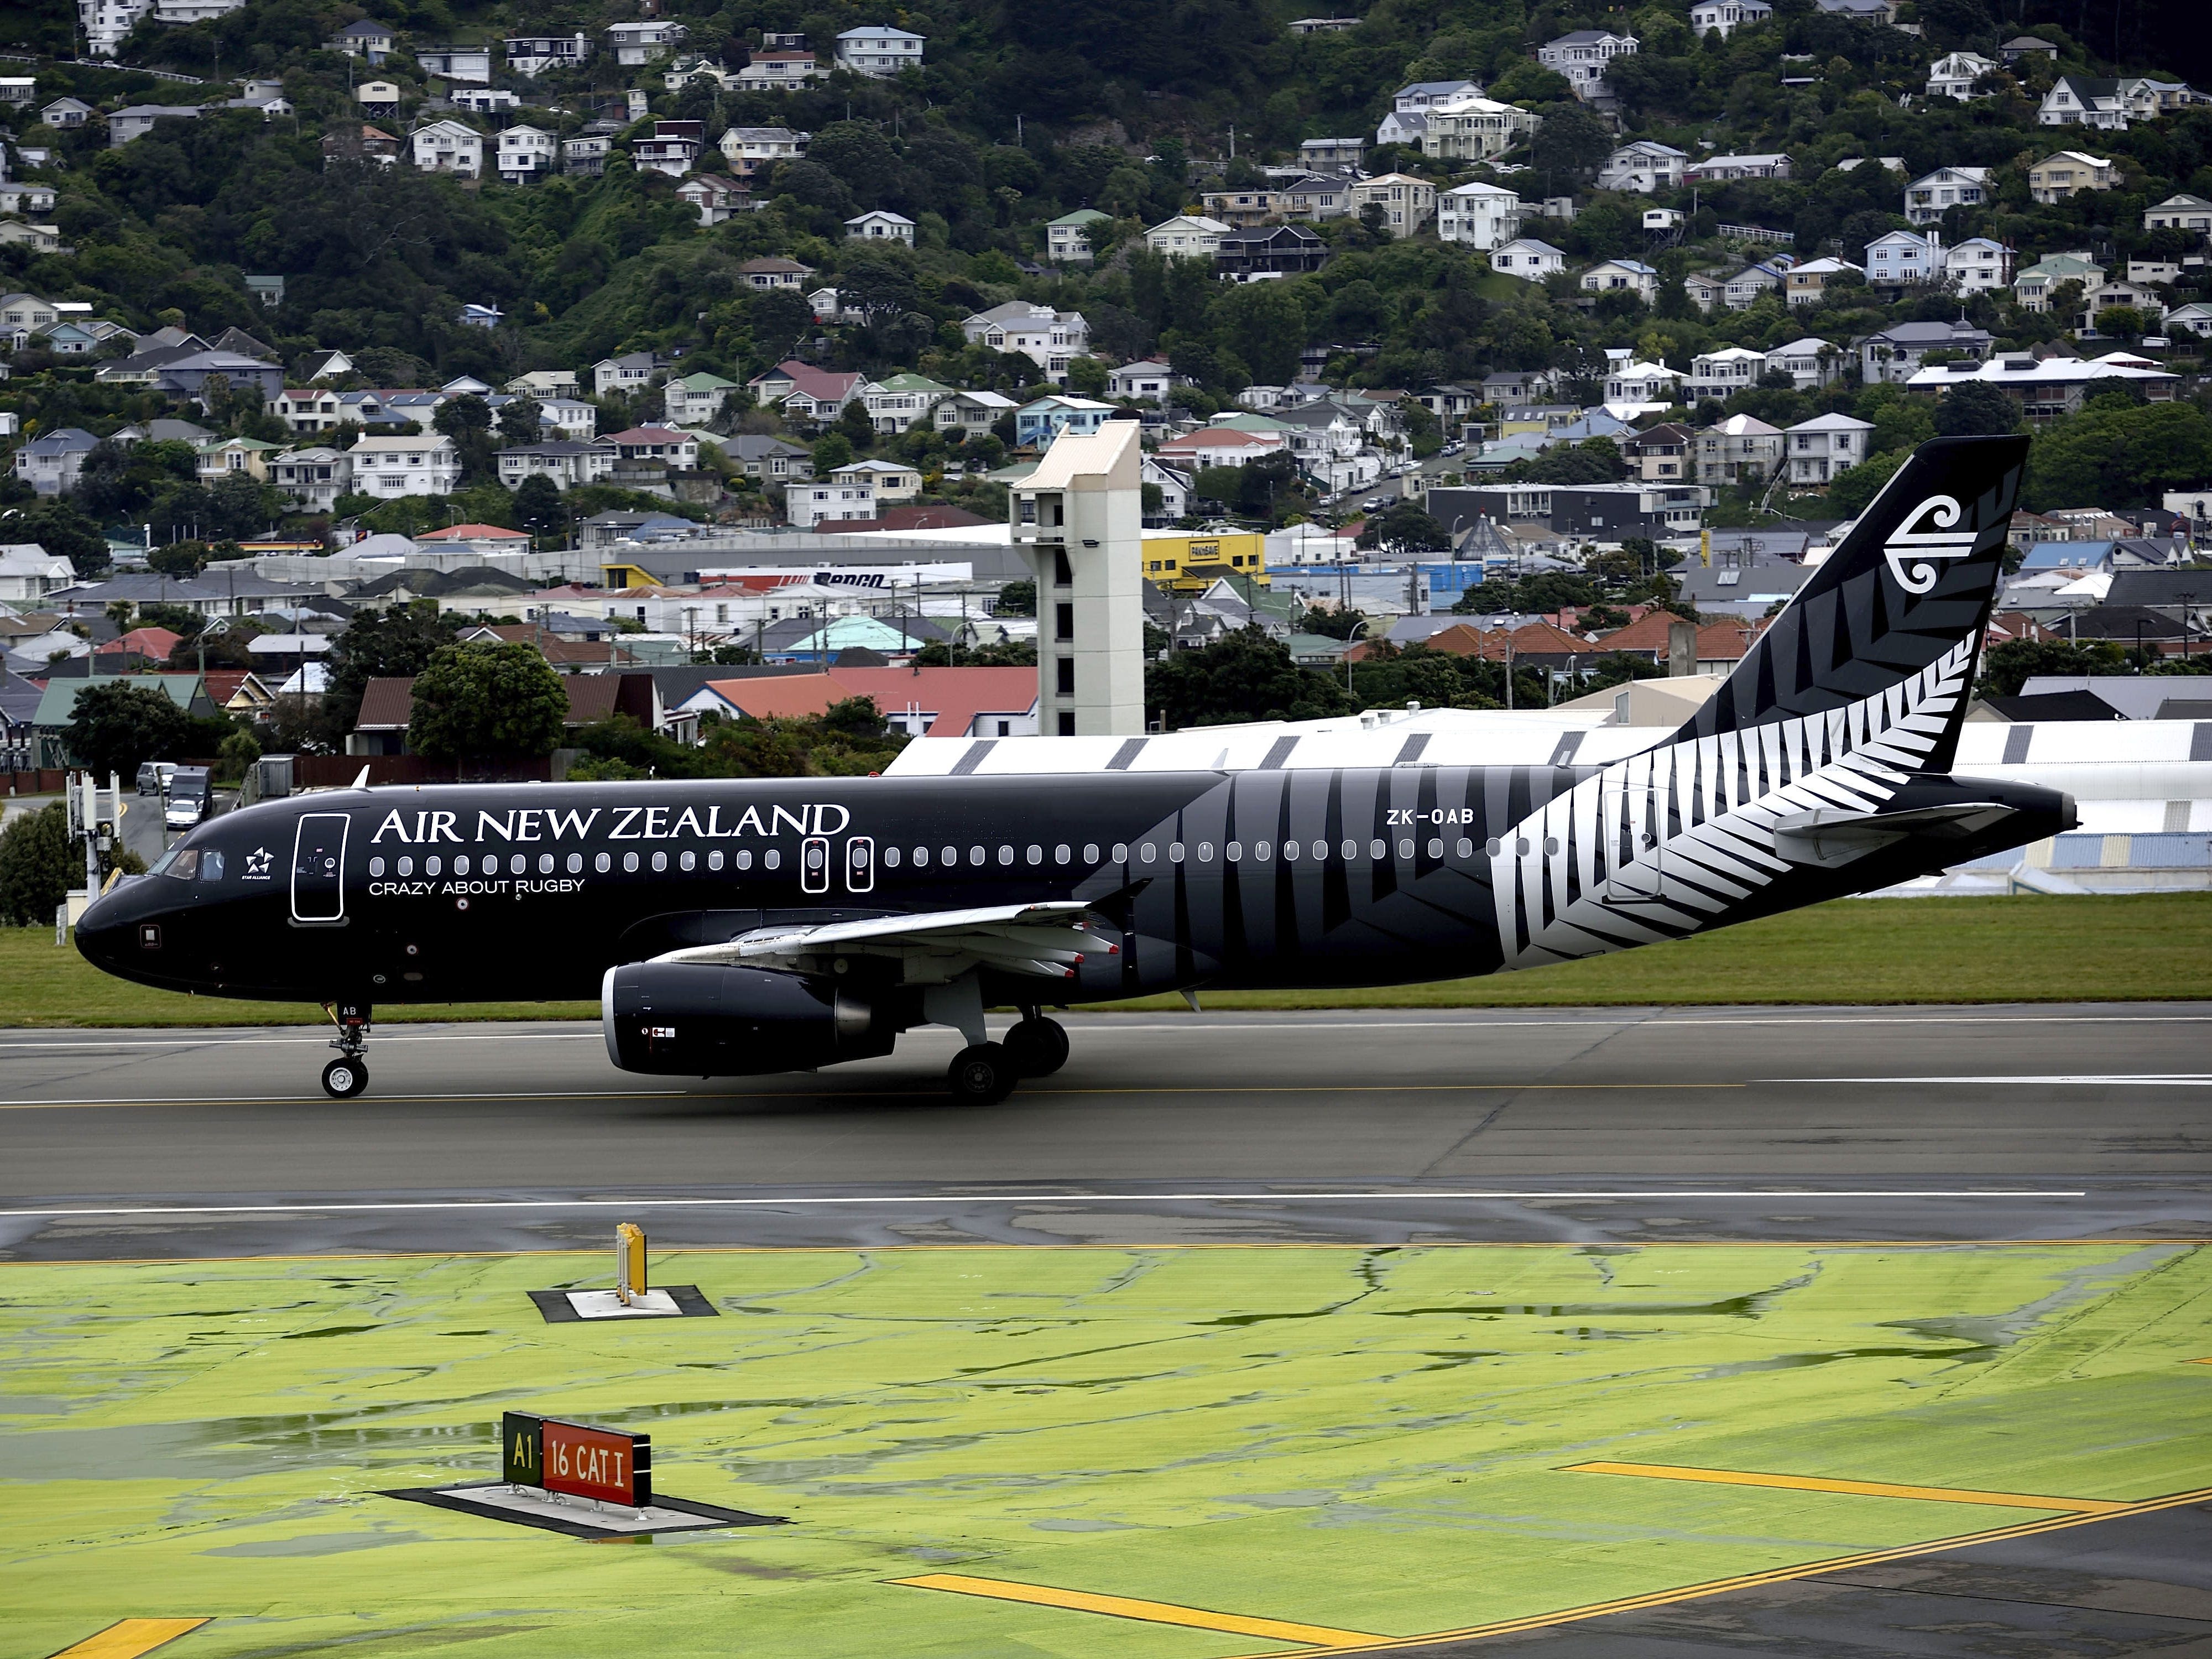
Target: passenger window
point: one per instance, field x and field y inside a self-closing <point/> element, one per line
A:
<point x="603" y="863"/>
<point x="689" y="861"/>
<point x="714" y="859"/>
<point x="629" y="864"/>
<point x="1061" y="854"/>
<point x="771" y="859"/>
<point x="1121" y="852"/>
<point x="1260" y="851"/>
<point x="432" y="865"/>
<point x="461" y="864"/>
<point x="375" y="867"/>
<point x="891" y="858"/>
<point x="659" y="862"/>
<point x="742" y="859"/>
<point x="1091" y="852"/>
<point x="921" y="858"/>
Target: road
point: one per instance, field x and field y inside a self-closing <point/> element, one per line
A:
<point x="1971" y="1123"/>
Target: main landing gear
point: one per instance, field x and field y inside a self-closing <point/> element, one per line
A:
<point x="985" y="1073"/>
<point x="347" y="1075"/>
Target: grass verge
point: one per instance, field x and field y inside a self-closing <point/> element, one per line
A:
<point x="2027" y="949"/>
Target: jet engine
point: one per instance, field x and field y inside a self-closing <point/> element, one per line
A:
<point x="701" y="1019"/>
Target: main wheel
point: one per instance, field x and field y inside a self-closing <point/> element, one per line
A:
<point x="1039" y="1047"/>
<point x="982" y="1074"/>
<point x="344" y="1078"/>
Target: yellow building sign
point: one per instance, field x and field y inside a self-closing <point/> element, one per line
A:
<point x="1187" y="563"/>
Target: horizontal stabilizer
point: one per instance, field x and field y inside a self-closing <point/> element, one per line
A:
<point x="1830" y="836"/>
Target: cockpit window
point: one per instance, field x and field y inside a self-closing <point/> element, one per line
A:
<point x="211" y="866"/>
<point x="183" y="863"/>
<point x="161" y="864"/>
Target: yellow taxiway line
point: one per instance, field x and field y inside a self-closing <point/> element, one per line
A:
<point x="1152" y="1612"/>
<point x="127" y="1639"/>
<point x="2009" y="1500"/>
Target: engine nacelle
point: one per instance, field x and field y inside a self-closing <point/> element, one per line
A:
<point x="695" y="1019"/>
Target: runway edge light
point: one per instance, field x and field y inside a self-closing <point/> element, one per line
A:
<point x="630" y="1263"/>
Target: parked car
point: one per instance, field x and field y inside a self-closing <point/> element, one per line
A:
<point x="153" y="777"/>
<point x="192" y="790"/>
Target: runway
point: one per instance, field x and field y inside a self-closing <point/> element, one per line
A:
<point x="1982" y="1123"/>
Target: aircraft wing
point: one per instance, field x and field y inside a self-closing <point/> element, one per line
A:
<point x="1047" y="940"/>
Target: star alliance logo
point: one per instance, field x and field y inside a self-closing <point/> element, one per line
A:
<point x="1912" y="551"/>
<point x="258" y="863"/>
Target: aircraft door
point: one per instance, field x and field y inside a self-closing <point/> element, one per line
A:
<point x="861" y="864"/>
<point x="814" y="865"/>
<point x="319" y="867"/>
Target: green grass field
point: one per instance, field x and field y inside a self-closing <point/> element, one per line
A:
<point x="1373" y="1441"/>
<point x="2026" y="949"/>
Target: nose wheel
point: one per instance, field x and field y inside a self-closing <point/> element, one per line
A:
<point x="347" y="1075"/>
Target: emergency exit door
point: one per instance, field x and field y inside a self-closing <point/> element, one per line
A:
<point x="319" y="867"/>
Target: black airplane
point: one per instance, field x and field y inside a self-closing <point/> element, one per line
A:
<point x="738" y="927"/>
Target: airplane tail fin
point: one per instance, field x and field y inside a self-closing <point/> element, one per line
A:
<point x="1896" y="613"/>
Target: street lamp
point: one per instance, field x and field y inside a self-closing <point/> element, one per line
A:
<point x="1357" y="628"/>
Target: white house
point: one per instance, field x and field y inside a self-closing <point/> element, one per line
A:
<point x="28" y="571"/>
<point x="425" y="465"/>
<point x="1928" y="199"/>
<point x="1895" y="353"/>
<point x="526" y="153"/>
<point x="808" y="503"/>
<point x="640" y="43"/>
<point x="1953" y="74"/>
<point x="717" y="199"/>
<point x="1149" y="381"/>
<point x="1741" y="449"/>
<point x="629" y="375"/>
<point x="312" y="479"/>
<point x="567" y="462"/>
<point x="1613" y="276"/>
<point x="533" y="54"/>
<point x="779" y="71"/>
<point x="1582" y="58"/>
<point x="1725" y="17"/>
<point x="1811" y="363"/>
<point x="891" y="481"/>
<point x="695" y="399"/>
<point x="1049" y="339"/>
<point x="2033" y="287"/>
<point x="1633" y="382"/>
<point x="880" y="225"/>
<point x="1979" y="265"/>
<point x="1474" y="129"/>
<point x="2183" y="212"/>
<point x="1742" y="291"/>
<point x="1724" y="169"/>
<point x="879" y="53"/>
<point x="448" y="147"/>
<point x="458" y="62"/>
<point x="569" y="417"/>
<point x="1186" y="236"/>
<point x="1527" y="258"/>
<point x="1407" y="203"/>
<point x="1479" y="216"/>
<point x="1820" y="448"/>
<point x="751" y="151"/>
<point x="1066" y="238"/>
<point x="1725" y="373"/>
<point x="1899" y="256"/>
<point x="1807" y="284"/>
<point x="1644" y="166"/>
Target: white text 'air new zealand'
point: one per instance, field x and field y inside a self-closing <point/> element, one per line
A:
<point x="745" y="926"/>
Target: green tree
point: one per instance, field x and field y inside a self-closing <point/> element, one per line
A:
<point x="522" y="421"/>
<point x="1854" y="490"/>
<point x="38" y="865"/>
<point x="1086" y="377"/>
<point x="1404" y="527"/>
<point x="63" y="532"/>
<point x="379" y="644"/>
<point x="1244" y="676"/>
<point x="538" y="506"/>
<point x="2007" y="667"/>
<point x="1263" y="324"/>
<point x="1337" y="624"/>
<point x="467" y="421"/>
<point x="487" y="703"/>
<point x="2116" y="453"/>
<point x="1016" y="600"/>
<point x="1973" y="409"/>
<point x="112" y="727"/>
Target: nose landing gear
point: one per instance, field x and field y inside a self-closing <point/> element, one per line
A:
<point x="347" y="1075"/>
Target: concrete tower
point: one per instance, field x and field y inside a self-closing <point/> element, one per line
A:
<point x="1081" y="515"/>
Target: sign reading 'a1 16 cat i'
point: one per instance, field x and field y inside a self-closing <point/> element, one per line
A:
<point x="576" y="1460"/>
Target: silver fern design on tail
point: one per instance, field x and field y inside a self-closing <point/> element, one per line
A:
<point x="1910" y="552"/>
<point x="1668" y="843"/>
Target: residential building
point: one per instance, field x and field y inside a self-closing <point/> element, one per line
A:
<point x="1977" y="265"/>
<point x="629" y="374"/>
<point x="902" y="400"/>
<point x="448" y="147"/>
<point x="38" y="239"/>
<point x="1421" y="96"/>
<point x="695" y="399"/>
<point x="1066" y="238"/>
<point x="1407" y="203"/>
<point x="1725" y="17"/>
<point x="1401" y="127"/>
<point x="892" y="481"/>
<point x="187" y="376"/>
<point x="779" y="71"/>
<point x="684" y="70"/>
<point x="2183" y="212"/>
<point x="569" y="417"/>
<point x="378" y="98"/>
<point x="880" y="225"/>
<point x="2109" y="296"/>
<point x="1633" y="382"/>
<point x="1724" y="169"/>
<point x="810" y="502"/>
<point x="1527" y="258"/>
<point x="2110" y="105"/>
<point x="1186" y="236"/>
<point x="1582" y="58"/>
<point x="806" y="393"/>
<point x="526" y="153"/>
<point x="1926" y="200"/>
<point x="1725" y="372"/>
<point x="716" y="198"/>
<point x="1900" y="256"/>
<point x="1953" y="74"/>
<point x="1268" y="251"/>
<point x="137" y="121"/>
<point x="51" y="462"/>
<point x="640" y="43"/>
<point x="467" y="63"/>
<point x="2033" y="287"/>
<point x="310" y="408"/>
<point x="1895" y="353"/>
<point x="879" y="52"/>
<point x="1647" y="165"/>
<point x="1480" y="216"/>
<point x="66" y="113"/>
<point x="1146" y="382"/>
<point x="1601" y="512"/>
<point x="225" y="458"/>
<point x="1738" y="450"/>
<point x="426" y="464"/>
<point x="753" y="150"/>
<point x="775" y="272"/>
<point x="769" y="458"/>
<point x="656" y="447"/>
<point x="971" y="411"/>
<point x="1342" y="156"/>
<point x="533" y="54"/>
<point x="2051" y="388"/>
<point x="1705" y="289"/>
<point x="1827" y="445"/>
<point x="567" y="462"/>
<point x="2056" y="177"/>
<point x="1616" y="275"/>
<point x="1812" y="363"/>
<point x="1039" y="422"/>
<point x="367" y="39"/>
<point x="1661" y="453"/>
<point x="2028" y="45"/>
<point x="673" y="148"/>
<point x="1321" y="25"/>
<point x="485" y="100"/>
<point x="1474" y="129"/>
<point x="1742" y="291"/>
<point x="28" y="571"/>
<point x="107" y="22"/>
<point x="1049" y="339"/>
<point x="312" y="479"/>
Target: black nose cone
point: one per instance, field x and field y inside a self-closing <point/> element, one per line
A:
<point x="105" y="936"/>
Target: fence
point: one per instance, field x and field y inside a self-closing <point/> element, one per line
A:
<point x="1759" y="234"/>
<point x="335" y="771"/>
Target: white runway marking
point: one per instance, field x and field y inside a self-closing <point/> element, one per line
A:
<point x="1795" y="1194"/>
<point x="2137" y="1080"/>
